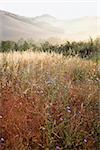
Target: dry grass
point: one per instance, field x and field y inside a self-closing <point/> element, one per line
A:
<point x="48" y="102"/>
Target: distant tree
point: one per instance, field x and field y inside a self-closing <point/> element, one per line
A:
<point x="45" y="46"/>
<point x="34" y="47"/>
<point x="16" y="48"/>
<point x="82" y="48"/>
<point x="25" y="46"/>
<point x="7" y="46"/>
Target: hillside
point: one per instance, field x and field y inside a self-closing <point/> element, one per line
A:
<point x="14" y="27"/>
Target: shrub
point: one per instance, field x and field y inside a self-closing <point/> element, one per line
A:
<point x="82" y="49"/>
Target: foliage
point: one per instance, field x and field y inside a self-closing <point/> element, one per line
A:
<point x="82" y="49"/>
<point x="7" y="46"/>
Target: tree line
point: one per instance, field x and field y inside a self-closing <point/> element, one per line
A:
<point x="83" y="49"/>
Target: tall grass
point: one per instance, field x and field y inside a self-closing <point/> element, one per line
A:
<point x="48" y="101"/>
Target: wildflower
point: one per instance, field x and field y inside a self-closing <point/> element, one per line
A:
<point x="43" y="128"/>
<point x="85" y="140"/>
<point x="68" y="109"/>
<point x="57" y="148"/>
<point x="1" y="117"/>
<point x="51" y="81"/>
<point x="2" y="140"/>
<point x="61" y="119"/>
<point x="49" y="116"/>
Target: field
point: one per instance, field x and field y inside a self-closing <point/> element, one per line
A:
<point x="48" y="102"/>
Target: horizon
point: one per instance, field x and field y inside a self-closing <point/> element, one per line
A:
<point x="69" y="10"/>
<point x="48" y="15"/>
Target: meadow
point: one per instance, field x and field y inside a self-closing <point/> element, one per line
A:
<point x="48" y="101"/>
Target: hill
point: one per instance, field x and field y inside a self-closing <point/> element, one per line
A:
<point x="14" y="27"/>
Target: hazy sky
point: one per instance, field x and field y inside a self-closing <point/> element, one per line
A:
<point x="62" y="9"/>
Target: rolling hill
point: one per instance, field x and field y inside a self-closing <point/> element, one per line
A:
<point x="15" y="27"/>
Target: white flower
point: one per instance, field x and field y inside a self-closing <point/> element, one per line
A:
<point x="1" y="117"/>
